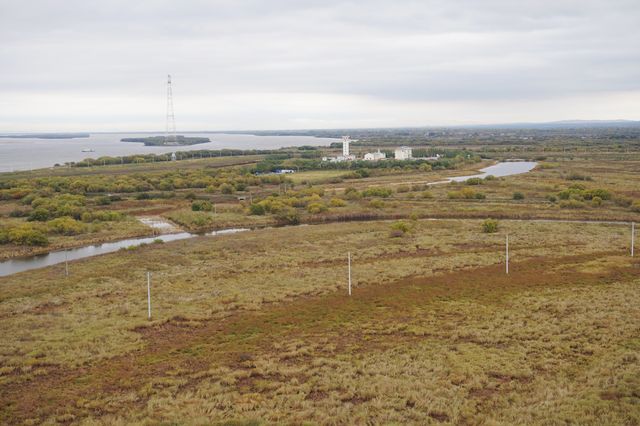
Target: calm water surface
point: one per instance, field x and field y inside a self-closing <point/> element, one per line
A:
<point x="28" y="153"/>
<point x="500" y="170"/>
<point x="14" y="266"/>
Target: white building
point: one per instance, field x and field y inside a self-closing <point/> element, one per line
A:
<point x="403" y="153"/>
<point x="345" y="146"/>
<point x="346" y="156"/>
<point x="375" y="156"/>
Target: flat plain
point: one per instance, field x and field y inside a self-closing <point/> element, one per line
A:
<point x="258" y="327"/>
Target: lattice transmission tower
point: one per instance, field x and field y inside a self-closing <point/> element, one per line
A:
<point x="170" y="133"/>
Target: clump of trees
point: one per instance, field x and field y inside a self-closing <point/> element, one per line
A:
<point x="23" y="234"/>
<point x="577" y="195"/>
<point x="450" y="159"/>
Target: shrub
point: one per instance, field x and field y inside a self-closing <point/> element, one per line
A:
<point x="103" y="201"/>
<point x="426" y="194"/>
<point x="377" y="192"/>
<point x="403" y="188"/>
<point x="288" y="216"/>
<point x="623" y="201"/>
<point x="4" y="236"/>
<point x="376" y="204"/>
<point x="603" y="194"/>
<point x="465" y="193"/>
<point x="578" y="176"/>
<point x="490" y="226"/>
<point x="552" y="198"/>
<point x="474" y="181"/>
<point x="40" y="214"/>
<point x="225" y="188"/>
<point x="572" y="204"/>
<point x="398" y="229"/>
<point x="596" y="201"/>
<point x="66" y="226"/>
<point x="352" y="194"/>
<point x="635" y="207"/>
<point x="257" y="209"/>
<point x="18" y="213"/>
<point x="490" y="178"/>
<point x="26" y="235"/>
<point x="315" y="208"/>
<point x="518" y="196"/>
<point x="101" y="216"/>
<point x="201" y="206"/>
<point x="337" y="202"/>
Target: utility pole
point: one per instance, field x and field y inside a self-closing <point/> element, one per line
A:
<point x="170" y="131"/>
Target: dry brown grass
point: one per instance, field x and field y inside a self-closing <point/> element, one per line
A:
<point x="258" y="326"/>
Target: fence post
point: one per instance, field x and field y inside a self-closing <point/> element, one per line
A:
<point x="149" y="293"/>
<point x="349" y="263"/>
<point x="507" y="256"/>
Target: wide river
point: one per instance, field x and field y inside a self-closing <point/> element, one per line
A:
<point x="32" y="153"/>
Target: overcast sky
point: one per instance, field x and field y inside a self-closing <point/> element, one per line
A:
<point x="83" y="65"/>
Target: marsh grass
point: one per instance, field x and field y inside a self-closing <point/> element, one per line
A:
<point x="467" y="347"/>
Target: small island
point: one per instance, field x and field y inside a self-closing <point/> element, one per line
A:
<point x="179" y="140"/>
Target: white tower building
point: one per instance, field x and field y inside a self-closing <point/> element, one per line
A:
<point x="345" y="146"/>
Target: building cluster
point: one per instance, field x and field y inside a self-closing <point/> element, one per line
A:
<point x="401" y="153"/>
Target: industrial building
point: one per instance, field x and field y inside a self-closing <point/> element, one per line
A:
<point x="403" y="153"/>
<point x="375" y="156"/>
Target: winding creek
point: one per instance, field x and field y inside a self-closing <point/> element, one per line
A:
<point x="16" y="265"/>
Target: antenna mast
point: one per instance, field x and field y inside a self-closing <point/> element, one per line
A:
<point x="170" y="132"/>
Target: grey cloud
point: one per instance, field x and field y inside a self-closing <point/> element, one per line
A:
<point x="431" y="50"/>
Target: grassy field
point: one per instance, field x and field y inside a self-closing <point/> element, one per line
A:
<point x="258" y="326"/>
<point x="307" y="197"/>
<point x="316" y="176"/>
